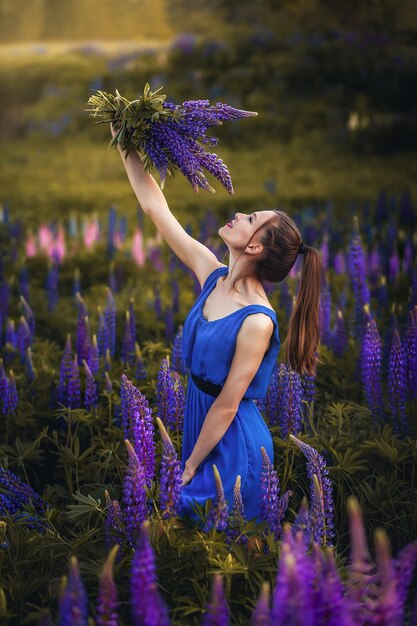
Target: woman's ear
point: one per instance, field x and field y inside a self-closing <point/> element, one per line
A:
<point x="254" y="248"/>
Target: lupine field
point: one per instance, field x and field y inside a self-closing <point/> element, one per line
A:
<point x="92" y="303"/>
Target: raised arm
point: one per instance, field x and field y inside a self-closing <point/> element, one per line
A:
<point x="150" y="197"/>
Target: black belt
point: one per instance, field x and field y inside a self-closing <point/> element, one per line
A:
<point x="204" y="385"/>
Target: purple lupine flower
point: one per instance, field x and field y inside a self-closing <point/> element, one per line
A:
<point x="11" y="399"/>
<point x="261" y="615"/>
<point x="339" y="262"/>
<point x="3" y="381"/>
<point x="110" y="318"/>
<point x="170" y="396"/>
<point x="147" y="606"/>
<point x="317" y="520"/>
<point x="140" y="371"/>
<point x="94" y="357"/>
<point x="113" y="524"/>
<point x="74" y="386"/>
<point x="325" y="314"/>
<point x="132" y="320"/>
<point x="107" y="361"/>
<point x="73" y="603"/>
<point x="374" y="266"/>
<point x="340" y="338"/>
<point x="106" y="611"/>
<point x="236" y="516"/>
<point x="290" y="396"/>
<point x="271" y="508"/>
<point x="272" y="400"/>
<point x="217" y="611"/>
<point x="292" y="596"/>
<point x="357" y="273"/>
<point x="177" y="360"/>
<point x="20" y="493"/>
<point x="65" y="371"/>
<point x="302" y="522"/>
<point x="170" y="474"/>
<point x="410" y="342"/>
<point x="371" y="371"/>
<point x="217" y="517"/>
<point x="10" y="334"/>
<point x="394" y="266"/>
<point x="308" y="382"/>
<point x="23" y="338"/>
<point x="134" y="495"/>
<point x="90" y="393"/>
<point x="316" y="465"/>
<point x="137" y="424"/>
<point x="52" y="281"/>
<point x="107" y="383"/>
<point x="128" y="344"/>
<point x="83" y="339"/>
<point x="403" y="568"/>
<point x="102" y="333"/>
<point x="388" y="609"/>
<point x="29" y="316"/>
<point x="360" y="569"/>
<point x="29" y="369"/>
<point x="330" y="605"/>
<point x="397" y="385"/>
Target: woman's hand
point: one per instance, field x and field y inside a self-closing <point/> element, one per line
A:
<point x="187" y="475"/>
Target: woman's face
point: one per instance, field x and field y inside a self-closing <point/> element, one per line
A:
<point x="239" y="231"/>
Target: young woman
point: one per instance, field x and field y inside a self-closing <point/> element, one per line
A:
<point x="231" y="339"/>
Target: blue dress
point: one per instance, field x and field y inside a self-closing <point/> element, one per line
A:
<point x="208" y="349"/>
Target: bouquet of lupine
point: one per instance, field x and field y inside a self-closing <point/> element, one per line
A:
<point x="168" y="136"/>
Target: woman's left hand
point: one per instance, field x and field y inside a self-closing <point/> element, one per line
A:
<point x="187" y="475"/>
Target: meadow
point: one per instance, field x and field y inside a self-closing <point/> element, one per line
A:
<point x="91" y="309"/>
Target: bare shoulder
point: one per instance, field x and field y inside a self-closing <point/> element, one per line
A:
<point x="258" y="325"/>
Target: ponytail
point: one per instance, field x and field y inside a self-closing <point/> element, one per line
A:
<point x="303" y="335"/>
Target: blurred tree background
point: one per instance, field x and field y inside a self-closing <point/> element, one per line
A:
<point x="334" y="85"/>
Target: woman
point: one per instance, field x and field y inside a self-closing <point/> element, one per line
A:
<point x="231" y="340"/>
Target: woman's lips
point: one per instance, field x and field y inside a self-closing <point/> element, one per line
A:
<point x="229" y="224"/>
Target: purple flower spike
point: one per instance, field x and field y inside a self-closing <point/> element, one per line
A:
<point x="217" y="517"/>
<point x="23" y="338"/>
<point x="169" y="477"/>
<point x="29" y="316"/>
<point x="107" y="383"/>
<point x="404" y="566"/>
<point x="371" y="369"/>
<point x="360" y="568"/>
<point x="140" y="371"/>
<point x="65" y="372"/>
<point x="411" y="355"/>
<point x="11" y="399"/>
<point x="73" y="604"/>
<point x="357" y="272"/>
<point x="302" y="522"/>
<point x="128" y="343"/>
<point x="138" y="425"/>
<point x="269" y="495"/>
<point x="147" y="605"/>
<point x="388" y="605"/>
<point x="330" y="604"/>
<point x="134" y="495"/>
<point x="177" y="360"/>
<point x="94" y="357"/>
<point x="397" y="385"/>
<point x="170" y="396"/>
<point x="317" y="465"/>
<point x="102" y="333"/>
<point x="90" y="394"/>
<point x="217" y="612"/>
<point x="74" y="386"/>
<point x="340" y="338"/>
<point x="261" y="615"/>
<point x="106" y="613"/>
<point x="10" y="334"/>
<point x="237" y="516"/>
<point x="113" y="523"/>
<point x="290" y="397"/>
<point x="29" y="369"/>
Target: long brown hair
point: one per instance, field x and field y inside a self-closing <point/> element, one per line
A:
<point x="281" y="240"/>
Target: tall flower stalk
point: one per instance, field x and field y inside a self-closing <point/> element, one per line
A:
<point x="169" y="476"/>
